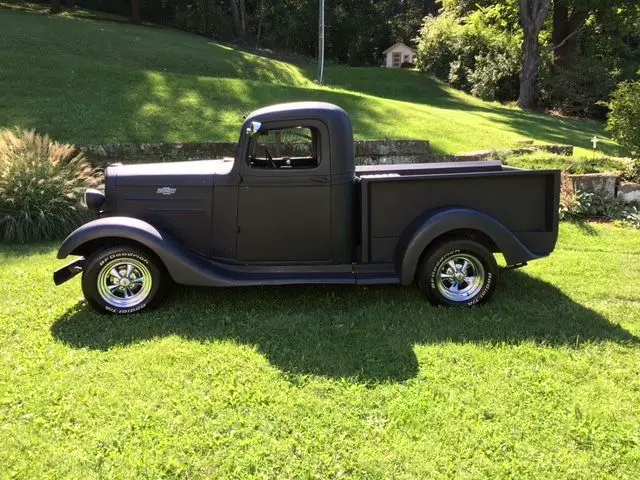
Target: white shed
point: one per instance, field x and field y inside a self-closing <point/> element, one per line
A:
<point x="397" y="54"/>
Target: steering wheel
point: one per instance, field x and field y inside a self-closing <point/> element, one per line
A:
<point x="270" y="158"/>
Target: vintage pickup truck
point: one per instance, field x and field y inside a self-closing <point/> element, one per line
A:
<point x="293" y="208"/>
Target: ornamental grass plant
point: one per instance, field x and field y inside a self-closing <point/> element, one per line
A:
<point x="42" y="185"/>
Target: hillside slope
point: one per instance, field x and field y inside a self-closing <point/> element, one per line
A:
<point x="87" y="81"/>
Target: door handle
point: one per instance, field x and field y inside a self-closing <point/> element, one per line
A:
<point x="320" y="180"/>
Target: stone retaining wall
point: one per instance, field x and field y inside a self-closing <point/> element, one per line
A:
<point x="102" y="155"/>
<point x="607" y="186"/>
<point x="367" y="152"/>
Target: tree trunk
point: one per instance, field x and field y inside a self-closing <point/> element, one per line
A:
<point x="260" y="20"/>
<point x="529" y="73"/>
<point x="135" y="11"/>
<point x="56" y="6"/>
<point x="533" y="14"/>
<point x="564" y="38"/>
<point x="430" y="7"/>
<point x="239" y="13"/>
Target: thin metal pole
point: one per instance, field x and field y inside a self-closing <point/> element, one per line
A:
<point x="321" y="44"/>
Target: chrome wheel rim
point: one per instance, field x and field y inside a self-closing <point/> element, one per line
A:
<point x="124" y="283"/>
<point x="460" y="278"/>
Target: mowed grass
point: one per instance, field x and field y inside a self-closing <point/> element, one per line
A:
<point x="86" y="81"/>
<point x="329" y="382"/>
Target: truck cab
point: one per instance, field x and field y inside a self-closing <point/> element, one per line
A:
<point x="292" y="207"/>
<point x="296" y="195"/>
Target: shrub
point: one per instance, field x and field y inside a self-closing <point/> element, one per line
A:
<point x="578" y="205"/>
<point x="42" y="184"/>
<point x="578" y="90"/>
<point x="438" y="45"/>
<point x="624" y="116"/>
<point x="471" y="55"/>
<point x="495" y="76"/>
<point x="632" y="172"/>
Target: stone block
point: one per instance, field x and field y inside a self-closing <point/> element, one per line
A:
<point x="629" y="192"/>
<point x="602" y="184"/>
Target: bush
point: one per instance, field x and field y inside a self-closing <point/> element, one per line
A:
<point x="42" y="185"/>
<point x="495" y="76"/>
<point x="471" y="55"/>
<point x="624" y="115"/>
<point x="577" y="205"/>
<point x="577" y="91"/>
<point x="438" y="45"/>
<point x="632" y="172"/>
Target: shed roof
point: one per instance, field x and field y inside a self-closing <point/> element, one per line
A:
<point x="398" y="44"/>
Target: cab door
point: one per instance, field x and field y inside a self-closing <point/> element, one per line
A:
<point x="284" y="204"/>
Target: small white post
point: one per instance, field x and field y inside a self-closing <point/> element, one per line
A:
<point x="595" y="141"/>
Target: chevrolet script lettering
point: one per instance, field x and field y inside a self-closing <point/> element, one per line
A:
<point x="166" y="191"/>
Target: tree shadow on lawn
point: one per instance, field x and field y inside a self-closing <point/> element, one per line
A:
<point x="362" y="332"/>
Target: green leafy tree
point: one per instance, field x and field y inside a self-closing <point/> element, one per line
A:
<point x="624" y="118"/>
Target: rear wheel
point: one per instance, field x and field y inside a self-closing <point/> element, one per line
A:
<point x="458" y="273"/>
<point x="123" y="280"/>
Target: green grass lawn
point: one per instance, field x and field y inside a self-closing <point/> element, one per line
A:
<point x="86" y="81"/>
<point x="328" y="382"/>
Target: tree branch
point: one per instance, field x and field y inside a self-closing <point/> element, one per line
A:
<point x="568" y="37"/>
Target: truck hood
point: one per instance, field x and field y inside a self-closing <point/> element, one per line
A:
<point x="176" y="198"/>
<point x="182" y="172"/>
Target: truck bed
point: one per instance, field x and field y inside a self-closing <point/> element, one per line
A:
<point x="392" y="196"/>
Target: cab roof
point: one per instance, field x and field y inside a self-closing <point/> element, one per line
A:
<point x="282" y="111"/>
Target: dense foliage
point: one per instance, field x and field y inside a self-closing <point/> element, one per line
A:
<point x="587" y="47"/>
<point x="473" y="55"/>
<point x="42" y="184"/>
<point x="580" y="91"/>
<point x="624" y="118"/>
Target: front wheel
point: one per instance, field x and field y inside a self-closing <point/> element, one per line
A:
<point x="123" y="280"/>
<point x="458" y="273"/>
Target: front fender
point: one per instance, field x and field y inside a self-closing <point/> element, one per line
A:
<point x="111" y="227"/>
<point x="183" y="266"/>
<point x="428" y="227"/>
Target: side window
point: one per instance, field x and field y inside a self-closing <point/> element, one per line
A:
<point x="287" y="148"/>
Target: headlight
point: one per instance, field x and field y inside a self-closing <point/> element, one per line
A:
<point x="94" y="199"/>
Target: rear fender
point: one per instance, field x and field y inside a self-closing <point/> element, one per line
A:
<point x="432" y="225"/>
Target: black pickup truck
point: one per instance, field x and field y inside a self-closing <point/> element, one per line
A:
<point x="292" y="208"/>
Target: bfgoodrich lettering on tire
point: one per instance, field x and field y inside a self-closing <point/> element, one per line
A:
<point x="458" y="273"/>
<point x="123" y="280"/>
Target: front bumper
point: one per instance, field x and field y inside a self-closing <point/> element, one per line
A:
<point x="68" y="271"/>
